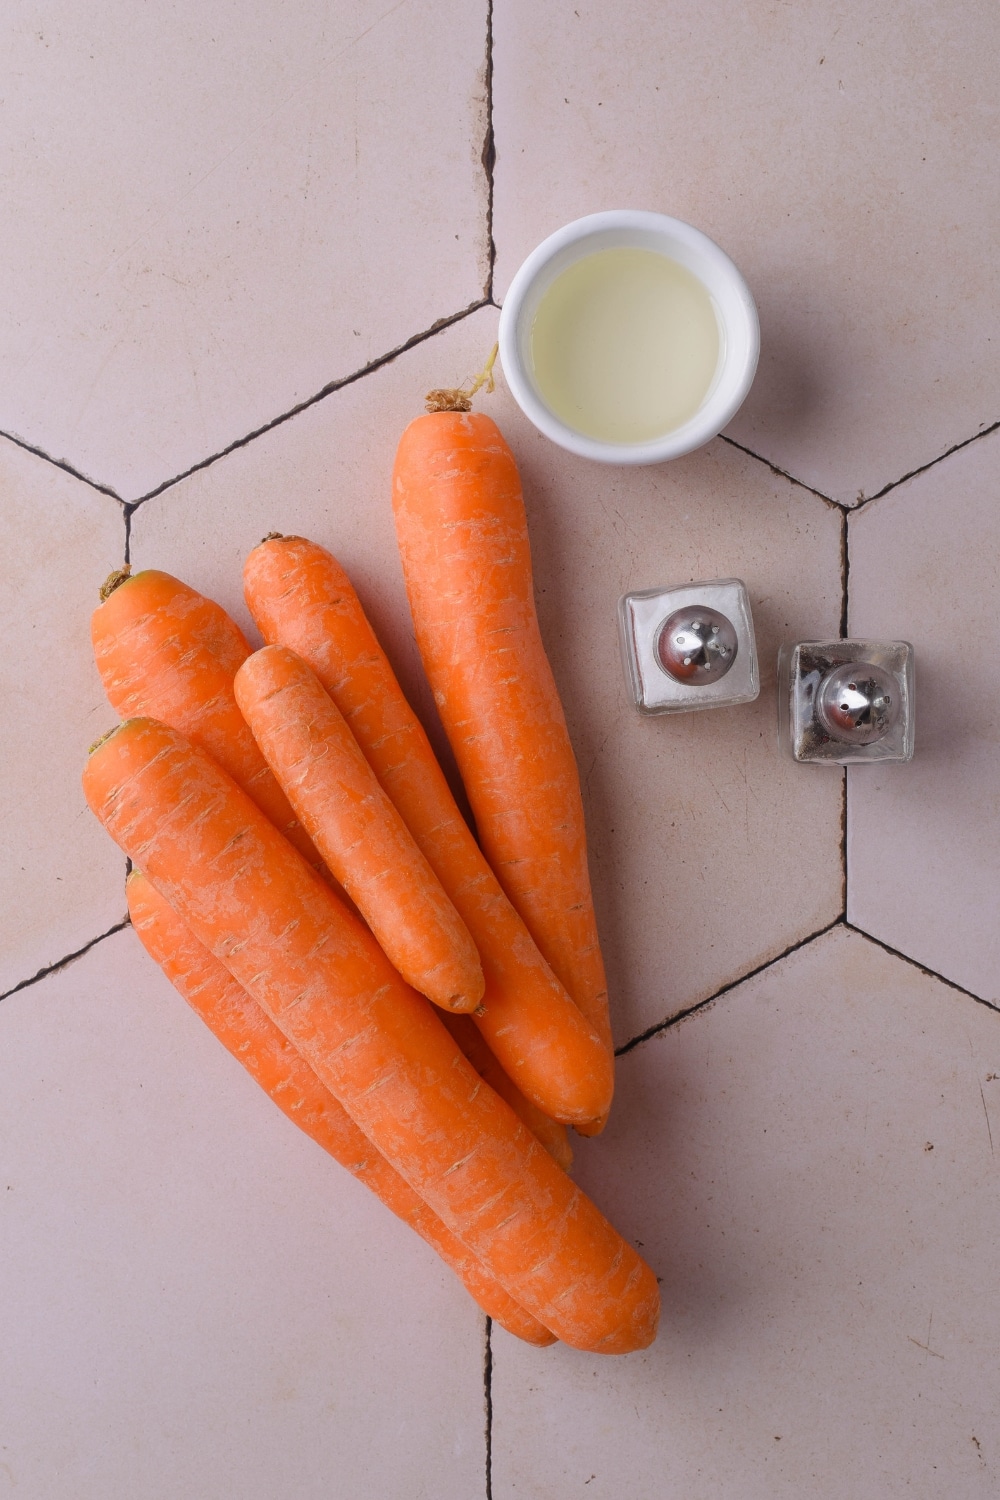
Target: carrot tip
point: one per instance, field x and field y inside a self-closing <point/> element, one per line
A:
<point x="272" y="536"/>
<point x="458" y="399"/>
<point x="105" y="736"/>
<point x="590" y="1128"/>
<point x="461" y="400"/>
<point x="448" y="400"/>
<point x="115" y="580"/>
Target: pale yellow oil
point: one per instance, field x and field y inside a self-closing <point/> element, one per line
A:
<point x="624" y="345"/>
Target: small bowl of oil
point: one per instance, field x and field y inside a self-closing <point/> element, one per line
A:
<point x="629" y="337"/>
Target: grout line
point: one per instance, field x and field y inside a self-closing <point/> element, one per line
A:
<point x="914" y="963"/>
<point x="894" y="483"/>
<point x="845" y="574"/>
<point x="63" y="963"/>
<point x="840" y="921"/>
<point x="488" y="1390"/>
<point x="843" y="842"/>
<point x="61" y="463"/>
<point x="489" y="154"/>
<point x="327" y="390"/>
<point x="682" y="1015"/>
<point x="128" y="534"/>
<point x="782" y="473"/>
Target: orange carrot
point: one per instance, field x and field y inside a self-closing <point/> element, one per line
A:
<point x="363" y="840"/>
<point x="463" y="539"/>
<point x="254" y="1040"/>
<point x="284" y="701"/>
<point x="300" y="596"/>
<point x="552" y="1135"/>
<point x="165" y="651"/>
<point x="375" y="1043"/>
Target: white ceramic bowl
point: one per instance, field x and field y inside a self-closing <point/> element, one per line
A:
<point x="739" y="330"/>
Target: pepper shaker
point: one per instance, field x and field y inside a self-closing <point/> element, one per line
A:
<point x="846" y="702"/>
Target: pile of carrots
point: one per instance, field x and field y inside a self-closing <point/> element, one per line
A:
<point x="428" y="1005"/>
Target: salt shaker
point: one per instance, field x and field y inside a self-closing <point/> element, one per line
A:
<point x="688" y="647"/>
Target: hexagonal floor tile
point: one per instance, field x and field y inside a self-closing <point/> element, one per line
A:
<point x="845" y="159"/>
<point x="61" y="878"/>
<point x="809" y="1165"/>
<point x="199" y="1301"/>
<point x="212" y="213"/>
<point x="710" y="853"/>
<point x="923" y="855"/>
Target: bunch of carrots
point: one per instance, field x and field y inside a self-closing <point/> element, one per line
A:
<point x="430" y="1008"/>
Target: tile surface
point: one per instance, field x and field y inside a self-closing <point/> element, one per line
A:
<point x="678" y="809"/>
<point x="923" y="853"/>
<point x="843" y="155"/>
<point x="60" y="877"/>
<point x="201" y="1302"/>
<point x="210" y="215"/>
<point x="809" y="1166"/>
<point x="228" y="209"/>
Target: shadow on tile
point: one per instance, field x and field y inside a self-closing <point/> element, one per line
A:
<point x="789" y="396"/>
<point x="647" y="1174"/>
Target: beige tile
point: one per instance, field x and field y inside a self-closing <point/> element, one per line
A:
<point x="844" y="156"/>
<point x="200" y="1302"/>
<point x="923" y="856"/>
<point x="211" y="213"/>
<point x="60" y="876"/>
<point x="710" y="853"/>
<point x="810" y="1167"/>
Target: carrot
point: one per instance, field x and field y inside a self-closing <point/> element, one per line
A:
<point x="355" y="827"/>
<point x="375" y="1043"/>
<point x="165" y="651"/>
<point x="300" y="596"/>
<point x="550" y="1132"/>
<point x="463" y="540"/>
<point x="306" y="740"/>
<point x="254" y="1040"/>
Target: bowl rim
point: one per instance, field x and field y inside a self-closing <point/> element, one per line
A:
<point x="737" y="366"/>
